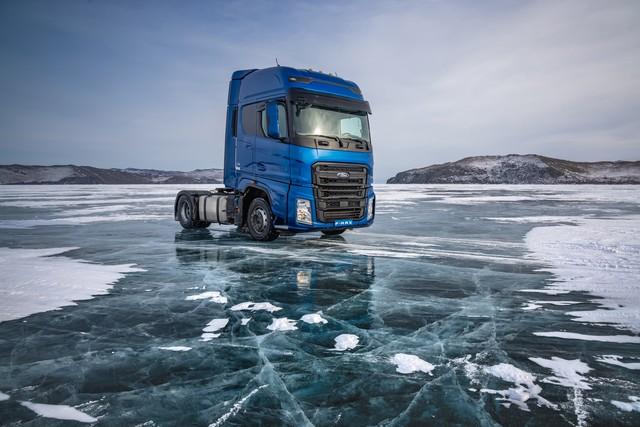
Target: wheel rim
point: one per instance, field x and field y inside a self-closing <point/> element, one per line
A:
<point x="186" y="212"/>
<point x="259" y="219"/>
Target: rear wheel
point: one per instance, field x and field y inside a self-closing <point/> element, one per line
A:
<point x="186" y="213"/>
<point x="260" y="221"/>
<point x="333" y="232"/>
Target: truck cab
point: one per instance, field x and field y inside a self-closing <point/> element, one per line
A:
<point x="298" y="157"/>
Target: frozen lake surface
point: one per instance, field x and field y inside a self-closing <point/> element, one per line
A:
<point x="467" y="305"/>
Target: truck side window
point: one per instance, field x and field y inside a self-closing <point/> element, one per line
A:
<point x="263" y="121"/>
<point x="234" y="122"/>
<point x="282" y="120"/>
<point x="249" y="119"/>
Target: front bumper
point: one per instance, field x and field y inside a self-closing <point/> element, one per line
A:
<point x="307" y="193"/>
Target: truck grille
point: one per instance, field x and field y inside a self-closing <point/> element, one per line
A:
<point x="340" y="191"/>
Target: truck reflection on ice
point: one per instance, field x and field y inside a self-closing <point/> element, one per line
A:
<point x="300" y="273"/>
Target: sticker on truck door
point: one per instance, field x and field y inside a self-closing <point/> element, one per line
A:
<point x="343" y="222"/>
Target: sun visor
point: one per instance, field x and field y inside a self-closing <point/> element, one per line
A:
<point x="312" y="98"/>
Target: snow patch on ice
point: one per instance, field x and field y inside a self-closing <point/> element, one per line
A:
<point x="207" y="336"/>
<point x="531" y="306"/>
<point x="568" y="373"/>
<point x="215" y="325"/>
<point x="525" y="389"/>
<point x="34" y="280"/>
<point x="346" y="342"/>
<point x="409" y="363"/>
<point x="255" y="306"/>
<point x="245" y="320"/>
<point x="213" y="296"/>
<point x="4" y="396"/>
<point x="613" y="359"/>
<point x="314" y="318"/>
<point x="59" y="412"/>
<point x="600" y="338"/>
<point x="282" y="324"/>
<point x="599" y="256"/>
<point x="175" y="348"/>
<point x="632" y="405"/>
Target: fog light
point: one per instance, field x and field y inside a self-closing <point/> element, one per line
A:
<point x="370" y="209"/>
<point x="303" y="211"/>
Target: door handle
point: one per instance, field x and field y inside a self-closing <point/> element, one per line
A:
<point x="261" y="166"/>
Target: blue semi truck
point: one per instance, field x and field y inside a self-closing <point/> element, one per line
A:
<point x="298" y="157"/>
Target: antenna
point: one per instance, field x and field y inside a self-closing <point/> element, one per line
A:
<point x="277" y="61"/>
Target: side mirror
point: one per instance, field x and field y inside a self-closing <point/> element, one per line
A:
<point x="273" y="121"/>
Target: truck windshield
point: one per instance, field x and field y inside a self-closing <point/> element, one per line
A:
<point x="315" y="120"/>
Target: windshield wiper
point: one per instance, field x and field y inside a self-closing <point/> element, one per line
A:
<point x="355" y="138"/>
<point x="335" y="138"/>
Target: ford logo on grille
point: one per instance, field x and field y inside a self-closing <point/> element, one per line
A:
<point x="343" y="175"/>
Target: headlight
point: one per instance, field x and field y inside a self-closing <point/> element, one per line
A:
<point x="303" y="211"/>
<point x="370" y="208"/>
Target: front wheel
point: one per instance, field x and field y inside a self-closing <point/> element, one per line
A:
<point x="333" y="232"/>
<point x="260" y="221"/>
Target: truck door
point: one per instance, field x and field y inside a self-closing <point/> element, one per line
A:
<point x="272" y="155"/>
<point x="245" y="145"/>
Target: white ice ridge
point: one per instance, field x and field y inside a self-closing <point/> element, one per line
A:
<point x="314" y="318"/>
<point x="545" y="291"/>
<point x="255" y="306"/>
<point x="4" y="396"/>
<point x="567" y="372"/>
<point x="534" y="305"/>
<point x="409" y="363"/>
<point x="176" y="348"/>
<point x="598" y="256"/>
<point x="215" y="325"/>
<point x="536" y="219"/>
<point x="235" y="408"/>
<point x="560" y="303"/>
<point x="632" y="405"/>
<point x="59" y="412"/>
<point x="600" y="338"/>
<point x="34" y="280"/>
<point x="282" y="324"/>
<point x="79" y="220"/>
<point x="346" y="342"/>
<point x="213" y="296"/>
<point x="613" y="359"/>
<point x="525" y="389"/>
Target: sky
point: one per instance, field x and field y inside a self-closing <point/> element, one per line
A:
<point x="144" y="83"/>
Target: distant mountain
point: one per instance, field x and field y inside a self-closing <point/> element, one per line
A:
<point x="521" y="169"/>
<point x="71" y="174"/>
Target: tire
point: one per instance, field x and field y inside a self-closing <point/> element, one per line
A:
<point x="186" y="209"/>
<point x="260" y="221"/>
<point x="333" y="232"/>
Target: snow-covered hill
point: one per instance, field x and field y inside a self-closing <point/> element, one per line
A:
<point x="71" y="174"/>
<point x="521" y="169"/>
